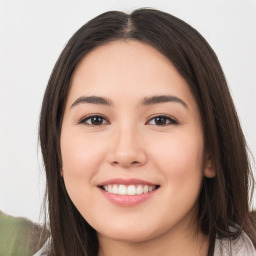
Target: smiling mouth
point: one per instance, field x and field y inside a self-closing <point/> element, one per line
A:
<point x="128" y="190"/>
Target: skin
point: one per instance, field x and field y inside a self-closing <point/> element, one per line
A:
<point x="128" y="143"/>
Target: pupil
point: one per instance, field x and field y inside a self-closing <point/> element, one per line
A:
<point x="96" y="120"/>
<point x="160" y="120"/>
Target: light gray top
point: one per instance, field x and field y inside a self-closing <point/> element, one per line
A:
<point x="241" y="247"/>
<point x="223" y="247"/>
<point x="44" y="248"/>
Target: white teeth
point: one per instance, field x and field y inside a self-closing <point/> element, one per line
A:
<point x="122" y="190"/>
<point x="139" y="190"/>
<point x="131" y="190"/>
<point x="145" y="189"/>
<point x="110" y="189"/>
<point x="115" y="189"/>
<point x="128" y="190"/>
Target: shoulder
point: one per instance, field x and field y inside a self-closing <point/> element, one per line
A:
<point x="242" y="246"/>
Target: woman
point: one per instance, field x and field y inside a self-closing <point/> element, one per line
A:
<point x="143" y="150"/>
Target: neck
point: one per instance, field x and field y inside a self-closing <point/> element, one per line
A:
<point x="167" y="244"/>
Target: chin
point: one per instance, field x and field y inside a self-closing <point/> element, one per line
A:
<point x="129" y="233"/>
<point x="129" y="237"/>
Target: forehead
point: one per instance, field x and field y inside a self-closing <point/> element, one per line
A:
<point x="127" y="67"/>
<point x="125" y="55"/>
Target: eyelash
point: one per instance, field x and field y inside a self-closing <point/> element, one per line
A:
<point x="171" y="120"/>
<point x="86" y="118"/>
<point x="167" y="118"/>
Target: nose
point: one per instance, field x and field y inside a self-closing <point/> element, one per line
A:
<point x="127" y="149"/>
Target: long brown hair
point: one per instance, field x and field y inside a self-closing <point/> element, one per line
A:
<point x="224" y="199"/>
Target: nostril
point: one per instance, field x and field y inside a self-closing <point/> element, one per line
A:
<point x="131" y="163"/>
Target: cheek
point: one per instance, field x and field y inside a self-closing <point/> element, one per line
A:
<point x="81" y="160"/>
<point x="80" y="155"/>
<point x="179" y="157"/>
<point x="180" y="162"/>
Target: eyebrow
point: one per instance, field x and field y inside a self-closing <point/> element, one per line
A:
<point x="163" y="99"/>
<point x="94" y="100"/>
<point x="145" y="102"/>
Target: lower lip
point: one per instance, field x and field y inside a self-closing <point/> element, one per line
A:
<point x="128" y="200"/>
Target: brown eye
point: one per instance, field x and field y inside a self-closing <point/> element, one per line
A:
<point x="162" y="120"/>
<point x="94" y="120"/>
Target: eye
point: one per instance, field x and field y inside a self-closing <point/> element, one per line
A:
<point x="93" y="120"/>
<point x="162" y="120"/>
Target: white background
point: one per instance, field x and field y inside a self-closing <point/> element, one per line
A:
<point x="32" y="35"/>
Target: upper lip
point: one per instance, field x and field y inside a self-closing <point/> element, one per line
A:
<point x="130" y="181"/>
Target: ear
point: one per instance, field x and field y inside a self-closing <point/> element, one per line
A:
<point x="209" y="170"/>
<point x="61" y="173"/>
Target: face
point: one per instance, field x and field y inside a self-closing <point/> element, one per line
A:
<point x="132" y="143"/>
